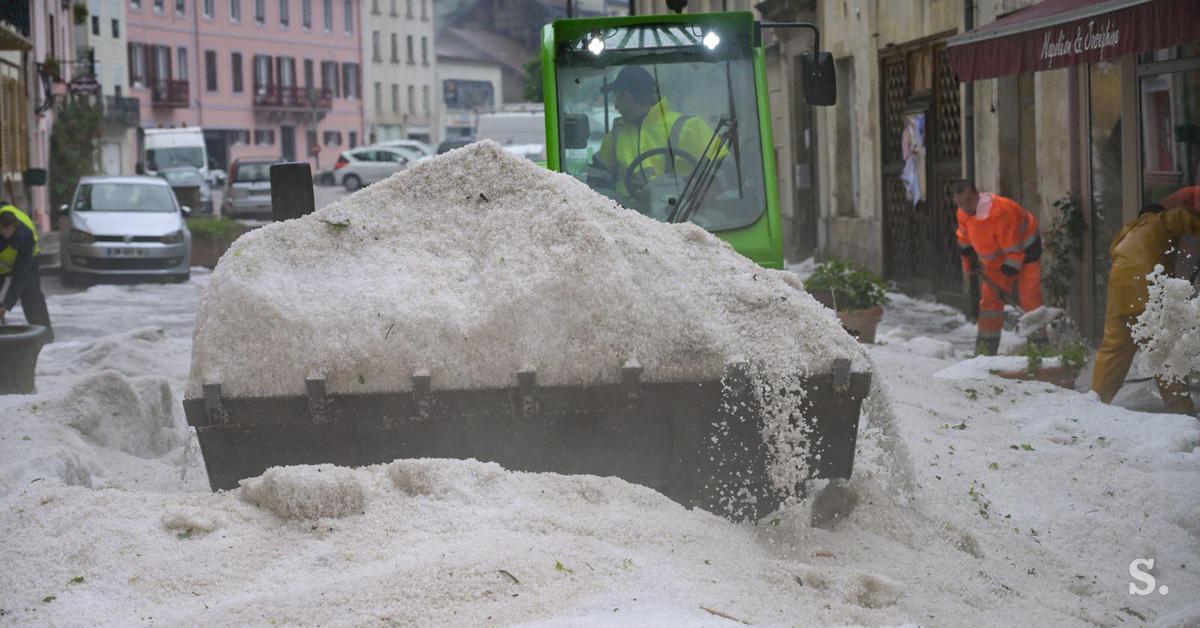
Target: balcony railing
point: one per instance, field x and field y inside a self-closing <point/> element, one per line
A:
<point x="122" y="112"/>
<point x="170" y="93"/>
<point x="293" y="98"/>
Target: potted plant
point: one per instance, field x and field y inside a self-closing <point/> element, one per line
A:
<point x="855" y="294"/>
<point x="51" y="68"/>
<point x="1058" y="365"/>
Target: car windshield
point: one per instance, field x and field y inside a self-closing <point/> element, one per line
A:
<point x="673" y="127"/>
<point x="183" y="177"/>
<point x="159" y="158"/>
<point x="253" y="172"/>
<point x="124" y="197"/>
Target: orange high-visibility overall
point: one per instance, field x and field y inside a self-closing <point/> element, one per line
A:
<point x="1005" y="237"/>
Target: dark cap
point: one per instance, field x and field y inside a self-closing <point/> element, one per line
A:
<point x="635" y="80"/>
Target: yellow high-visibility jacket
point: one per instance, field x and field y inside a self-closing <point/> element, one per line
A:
<point x="8" y="256"/>
<point x="627" y="140"/>
<point x="1135" y="250"/>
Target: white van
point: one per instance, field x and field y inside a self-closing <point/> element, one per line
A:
<point x="521" y="132"/>
<point x="174" y="148"/>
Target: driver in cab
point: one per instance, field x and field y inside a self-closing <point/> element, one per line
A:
<point x="648" y="141"/>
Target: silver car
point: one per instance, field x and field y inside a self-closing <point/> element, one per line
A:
<point x="364" y="166"/>
<point x="248" y="188"/>
<point x="125" y="227"/>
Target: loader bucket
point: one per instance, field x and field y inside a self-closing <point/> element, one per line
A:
<point x="699" y="443"/>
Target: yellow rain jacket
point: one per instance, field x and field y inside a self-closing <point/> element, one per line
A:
<point x="1136" y="249"/>
<point x="8" y="256"/>
<point x="627" y="140"/>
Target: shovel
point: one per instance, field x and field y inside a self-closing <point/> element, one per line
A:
<point x="1033" y="322"/>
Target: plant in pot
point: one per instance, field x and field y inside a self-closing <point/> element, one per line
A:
<point x="1058" y="365"/>
<point x="856" y="295"/>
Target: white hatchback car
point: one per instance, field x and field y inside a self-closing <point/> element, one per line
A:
<point x="364" y="166"/>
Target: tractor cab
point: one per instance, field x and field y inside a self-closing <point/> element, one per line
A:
<point x="668" y="116"/>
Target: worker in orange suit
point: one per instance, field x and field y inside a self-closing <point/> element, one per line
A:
<point x="1145" y="242"/>
<point x="1000" y="236"/>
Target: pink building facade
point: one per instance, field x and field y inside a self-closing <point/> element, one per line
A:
<point x="260" y="77"/>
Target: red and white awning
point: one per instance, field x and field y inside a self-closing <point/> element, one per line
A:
<point x="1060" y="33"/>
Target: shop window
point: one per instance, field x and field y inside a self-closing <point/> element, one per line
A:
<point x="264" y="137"/>
<point x="1104" y="104"/>
<point x="1170" y="106"/>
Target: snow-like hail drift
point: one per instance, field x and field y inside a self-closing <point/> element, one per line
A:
<point x="1169" y="330"/>
<point x="479" y="263"/>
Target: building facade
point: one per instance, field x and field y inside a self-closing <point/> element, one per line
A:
<point x="400" y="62"/>
<point x="17" y="80"/>
<point x="276" y="78"/>
<point x="470" y="83"/>
<point x="101" y="39"/>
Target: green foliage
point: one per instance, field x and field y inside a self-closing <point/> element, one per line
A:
<point x="51" y="67"/>
<point x="215" y="228"/>
<point x="852" y="288"/>
<point x="533" y="80"/>
<point x="1073" y="355"/>
<point x="1063" y="241"/>
<point x="81" y="13"/>
<point x="74" y="147"/>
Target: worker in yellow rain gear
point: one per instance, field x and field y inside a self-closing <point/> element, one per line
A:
<point x="19" y="280"/>
<point x="648" y="141"/>
<point x="1146" y="241"/>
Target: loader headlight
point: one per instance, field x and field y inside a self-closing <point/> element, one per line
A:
<point x="596" y="45"/>
<point x="711" y="40"/>
<point x="173" y="238"/>
<point x="82" y="237"/>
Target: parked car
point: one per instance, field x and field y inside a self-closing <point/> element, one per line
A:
<point x="457" y="142"/>
<point x="415" y="148"/>
<point x="364" y="166"/>
<point x="125" y="226"/>
<point x="248" y="188"/>
<point x="190" y="187"/>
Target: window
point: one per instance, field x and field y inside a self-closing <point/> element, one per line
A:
<point x="263" y="78"/>
<point x="350" y="81"/>
<point x="327" y="5"/>
<point x="393" y="12"/>
<point x="235" y="10"/>
<point x="136" y="4"/>
<point x="306" y="13"/>
<point x="348" y="9"/>
<point x="310" y="138"/>
<point x="425" y="99"/>
<point x="378" y="97"/>
<point x="374" y="7"/>
<point x="285" y="12"/>
<point x="158" y="6"/>
<point x="264" y="137"/>
<point x="376" y="56"/>
<point x="457" y="94"/>
<point x="395" y="48"/>
<point x="260" y="11"/>
<point x="308" y="73"/>
<point x="333" y="138"/>
<point x="412" y="99"/>
<point x="96" y="25"/>
<point x="180" y="7"/>
<point x="116" y="28"/>
<point x="353" y="139"/>
<point x="411" y="59"/>
<point x="395" y="97"/>
<point x="329" y="78"/>
<point x="409" y="13"/>
<point x="235" y="60"/>
<point x="286" y="71"/>
<point x="137" y="64"/>
<point x="208" y="8"/>
<point x="183" y="64"/>
<point x="424" y="50"/>
<point x="425" y="10"/>
<point x="210" y="70"/>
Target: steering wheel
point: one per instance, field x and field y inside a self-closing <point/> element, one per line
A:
<point x="661" y="150"/>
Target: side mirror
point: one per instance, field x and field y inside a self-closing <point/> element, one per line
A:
<point x="64" y="208"/>
<point x="575" y="129"/>
<point x="820" y="78"/>
<point x="187" y="211"/>
<point x="35" y="177"/>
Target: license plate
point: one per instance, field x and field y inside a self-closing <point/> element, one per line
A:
<point x="125" y="252"/>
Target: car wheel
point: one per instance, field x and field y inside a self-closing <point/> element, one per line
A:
<point x="351" y="182"/>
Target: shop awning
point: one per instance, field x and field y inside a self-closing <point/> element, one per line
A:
<point x="1060" y="33"/>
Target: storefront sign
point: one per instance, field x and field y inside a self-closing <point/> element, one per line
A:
<point x="1060" y="33"/>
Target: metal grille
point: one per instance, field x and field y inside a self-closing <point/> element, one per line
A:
<point x="919" y="244"/>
